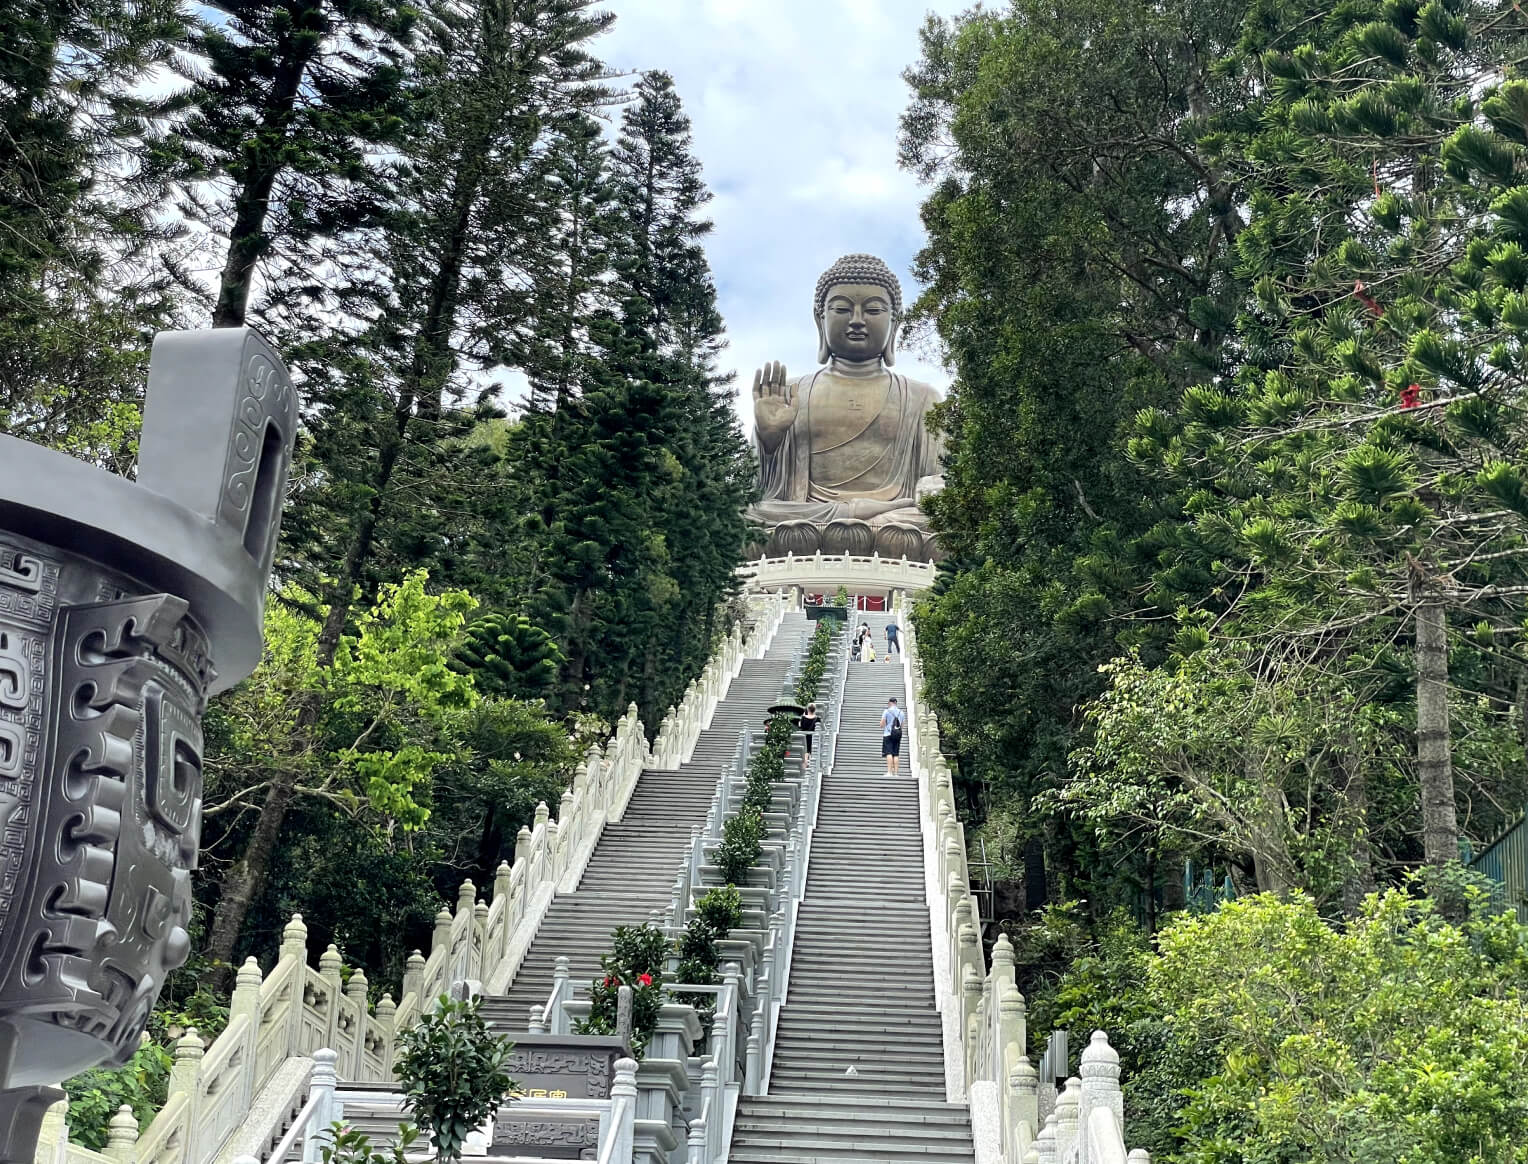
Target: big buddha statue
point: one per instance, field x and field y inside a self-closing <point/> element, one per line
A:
<point x="845" y="452"/>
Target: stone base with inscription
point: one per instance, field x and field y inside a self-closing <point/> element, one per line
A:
<point x="557" y="1067"/>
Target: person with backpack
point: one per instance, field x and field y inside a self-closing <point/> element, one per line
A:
<point x="892" y="720"/>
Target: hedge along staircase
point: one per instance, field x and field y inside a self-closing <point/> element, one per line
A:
<point x="631" y="872"/>
<point x="858" y="1072"/>
<point x="238" y="1095"/>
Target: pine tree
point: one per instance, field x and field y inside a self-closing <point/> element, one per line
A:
<point x="509" y="657"/>
<point x="1360" y="486"/>
<point x="77" y="303"/>
<point x="645" y="476"/>
<point x="286" y="102"/>
<point x="465" y="236"/>
<point x="575" y="286"/>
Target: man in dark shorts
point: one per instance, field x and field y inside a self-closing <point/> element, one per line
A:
<point x="891" y="735"/>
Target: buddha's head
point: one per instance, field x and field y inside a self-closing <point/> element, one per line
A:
<point x="858" y="307"/>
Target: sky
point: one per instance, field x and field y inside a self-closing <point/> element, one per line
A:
<point x="795" y="106"/>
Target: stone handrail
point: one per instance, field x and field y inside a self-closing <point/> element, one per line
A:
<point x="983" y="1012"/>
<point x="829" y="571"/>
<point x="681" y="727"/>
<point x="325" y="1106"/>
<point x="278" y="1020"/>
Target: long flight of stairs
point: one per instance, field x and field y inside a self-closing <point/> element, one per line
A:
<point x="632" y="870"/>
<point x="858" y="1073"/>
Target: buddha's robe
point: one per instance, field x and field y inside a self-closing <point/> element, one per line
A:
<point x="857" y="449"/>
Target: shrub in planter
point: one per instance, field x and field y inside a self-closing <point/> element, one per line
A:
<point x="636" y="959"/>
<point x="454" y="1071"/>
<point x="741" y="844"/>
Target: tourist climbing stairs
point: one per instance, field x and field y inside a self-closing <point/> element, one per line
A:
<point x="858" y="1073"/>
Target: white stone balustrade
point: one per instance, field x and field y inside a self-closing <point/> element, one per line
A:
<point x="681" y="727"/>
<point x="824" y="573"/>
<point x="986" y="1033"/>
<point x="278" y="1020"/>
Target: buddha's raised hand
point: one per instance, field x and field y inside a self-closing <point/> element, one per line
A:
<point x="774" y="403"/>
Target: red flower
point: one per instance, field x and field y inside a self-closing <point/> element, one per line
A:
<point x="1411" y="396"/>
<point x="611" y="981"/>
<point x="645" y="979"/>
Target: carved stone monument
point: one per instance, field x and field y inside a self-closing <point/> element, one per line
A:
<point x="557" y="1067"/>
<point x="845" y="452"/>
<point x="122" y="607"/>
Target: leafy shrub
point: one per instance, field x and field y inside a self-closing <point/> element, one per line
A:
<point x="95" y="1095"/>
<point x="454" y="1071"/>
<point x="741" y="844"/>
<point x="1265" y="1032"/>
<point x="717" y="913"/>
<point x="637" y="958"/>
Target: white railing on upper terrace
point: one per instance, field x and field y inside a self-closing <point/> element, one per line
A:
<point x="1015" y="1117"/>
<point x="239" y="1094"/>
<point x="824" y="573"/>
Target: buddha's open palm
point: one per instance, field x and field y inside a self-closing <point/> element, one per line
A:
<point x="774" y="400"/>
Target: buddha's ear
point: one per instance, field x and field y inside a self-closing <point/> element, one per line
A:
<point x="822" y="340"/>
<point x="889" y="352"/>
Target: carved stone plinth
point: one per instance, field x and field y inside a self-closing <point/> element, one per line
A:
<point x="122" y="607"/>
<point x="556" y="1067"/>
<point x="892" y="541"/>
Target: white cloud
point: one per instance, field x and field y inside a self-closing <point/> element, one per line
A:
<point x="795" y="105"/>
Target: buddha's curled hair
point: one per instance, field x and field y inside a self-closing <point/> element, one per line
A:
<point x="858" y="269"/>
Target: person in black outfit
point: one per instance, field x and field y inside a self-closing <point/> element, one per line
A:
<point x="808" y="724"/>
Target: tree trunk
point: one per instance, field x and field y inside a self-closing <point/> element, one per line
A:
<point x="245" y="880"/>
<point x="1272" y="865"/>
<point x="1435" y="772"/>
<point x="252" y="201"/>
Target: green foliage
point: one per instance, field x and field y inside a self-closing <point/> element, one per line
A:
<point x="508" y="656"/>
<point x="343" y="1144"/>
<point x="454" y="1072"/>
<point x="1400" y="1036"/>
<point x="815" y="665"/>
<point x="741" y="844"/>
<point x="1264" y="1031"/>
<point x="638" y="957"/>
<point x="95" y="1095"/>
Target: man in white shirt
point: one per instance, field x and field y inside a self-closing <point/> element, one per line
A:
<point x="892" y="720"/>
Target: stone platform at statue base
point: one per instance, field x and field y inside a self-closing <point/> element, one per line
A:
<point x="860" y="574"/>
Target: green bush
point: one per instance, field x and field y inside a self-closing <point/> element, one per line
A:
<point x="454" y="1071"/>
<point x="94" y="1096"/>
<point x="636" y="959"/>
<point x="1264" y="1032"/>
<point x="741" y="844"/>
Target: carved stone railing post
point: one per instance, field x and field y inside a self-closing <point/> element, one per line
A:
<point x="123" y="606"/>
<point x="185" y="1080"/>
<point x="122" y="1135"/>
<point x="246" y="1005"/>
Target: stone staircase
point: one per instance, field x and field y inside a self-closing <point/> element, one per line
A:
<point x="632" y="870"/>
<point x="858" y="1072"/>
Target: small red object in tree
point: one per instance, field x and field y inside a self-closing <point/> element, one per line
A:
<point x="645" y="979"/>
<point x="1366" y="299"/>
<point x="1411" y="396"/>
<point x="609" y="981"/>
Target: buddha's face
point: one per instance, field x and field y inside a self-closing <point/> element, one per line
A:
<point x="857" y="320"/>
